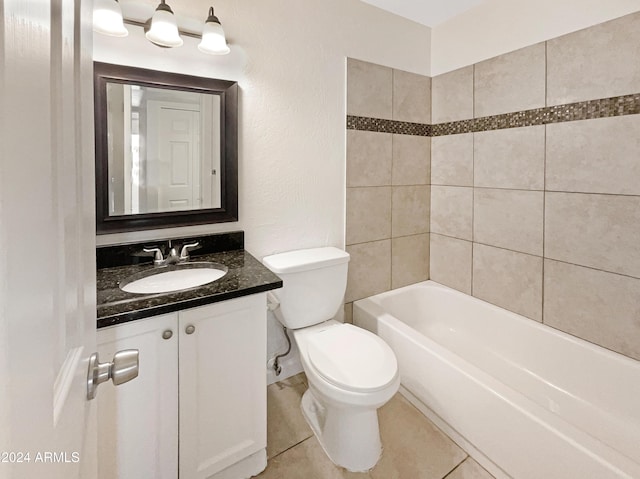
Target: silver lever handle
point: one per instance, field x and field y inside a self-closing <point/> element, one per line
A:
<point x="158" y="258"/>
<point x="122" y="369"/>
<point x="184" y="252"/>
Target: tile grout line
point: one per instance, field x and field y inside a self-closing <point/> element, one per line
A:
<point x="457" y="466"/>
<point x="391" y="216"/>
<point x="544" y="218"/>
<point x="544" y="177"/>
<point x="291" y="447"/>
<point x="592" y="268"/>
<point x="473" y="175"/>
<point x="544" y="190"/>
<point x="393" y="99"/>
<point x="546" y="74"/>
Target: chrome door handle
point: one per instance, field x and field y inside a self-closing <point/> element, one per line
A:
<point x="122" y="369"/>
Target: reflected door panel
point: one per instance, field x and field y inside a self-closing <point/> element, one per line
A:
<point x="173" y="174"/>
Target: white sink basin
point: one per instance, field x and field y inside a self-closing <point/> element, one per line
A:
<point x="173" y="278"/>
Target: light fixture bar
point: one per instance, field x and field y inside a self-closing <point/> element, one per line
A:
<point x="186" y="33"/>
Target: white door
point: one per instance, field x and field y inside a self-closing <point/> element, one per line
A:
<point x="47" y="240"/>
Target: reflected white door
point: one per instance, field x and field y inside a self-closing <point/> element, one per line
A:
<point x="174" y="171"/>
<point x="47" y="240"/>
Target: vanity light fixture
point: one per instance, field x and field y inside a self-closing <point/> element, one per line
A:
<point x="213" y="39"/>
<point x="163" y="30"/>
<point x="107" y="18"/>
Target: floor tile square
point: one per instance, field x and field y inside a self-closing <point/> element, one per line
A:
<point x="286" y="426"/>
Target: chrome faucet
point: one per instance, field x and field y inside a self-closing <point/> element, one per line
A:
<point x="172" y="257"/>
<point x="184" y="251"/>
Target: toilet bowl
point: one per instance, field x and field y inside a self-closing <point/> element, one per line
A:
<point x="351" y="372"/>
<point x="346" y="388"/>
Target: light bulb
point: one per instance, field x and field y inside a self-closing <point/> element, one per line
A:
<point x="164" y="30"/>
<point x="213" y="39"/>
<point x="107" y="18"/>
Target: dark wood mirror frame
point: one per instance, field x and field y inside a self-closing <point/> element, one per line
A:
<point x="227" y="91"/>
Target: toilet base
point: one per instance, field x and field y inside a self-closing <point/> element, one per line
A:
<point x="350" y="436"/>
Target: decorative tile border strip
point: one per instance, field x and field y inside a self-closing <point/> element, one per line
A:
<point x="584" y="110"/>
<point x="379" y="125"/>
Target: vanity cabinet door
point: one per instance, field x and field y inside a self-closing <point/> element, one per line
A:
<point x="223" y="387"/>
<point x="138" y="421"/>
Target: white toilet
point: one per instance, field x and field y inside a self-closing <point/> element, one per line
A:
<point x="351" y="371"/>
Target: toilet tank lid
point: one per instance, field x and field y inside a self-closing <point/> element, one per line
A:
<point x="305" y="259"/>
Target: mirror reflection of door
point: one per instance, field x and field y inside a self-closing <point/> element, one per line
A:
<point x="173" y="153"/>
<point x="164" y="150"/>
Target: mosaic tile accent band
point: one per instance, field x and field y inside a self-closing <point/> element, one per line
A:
<point x="584" y="110"/>
<point x="387" y="126"/>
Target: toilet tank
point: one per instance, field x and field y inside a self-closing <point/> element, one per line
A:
<point x="314" y="282"/>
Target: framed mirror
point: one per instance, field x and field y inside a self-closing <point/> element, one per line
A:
<point x="166" y="149"/>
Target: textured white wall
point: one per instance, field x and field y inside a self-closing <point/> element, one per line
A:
<point x="501" y="26"/>
<point x="289" y="59"/>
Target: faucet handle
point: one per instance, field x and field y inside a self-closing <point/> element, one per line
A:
<point x="184" y="252"/>
<point x="158" y="258"/>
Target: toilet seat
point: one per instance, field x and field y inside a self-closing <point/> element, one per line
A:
<point x="352" y="358"/>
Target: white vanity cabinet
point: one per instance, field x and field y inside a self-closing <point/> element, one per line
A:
<point x="223" y="388"/>
<point x="200" y="395"/>
<point x="138" y="421"/>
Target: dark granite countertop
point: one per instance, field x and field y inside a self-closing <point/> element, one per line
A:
<point x="246" y="276"/>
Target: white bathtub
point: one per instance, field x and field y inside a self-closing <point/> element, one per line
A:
<point x="526" y="400"/>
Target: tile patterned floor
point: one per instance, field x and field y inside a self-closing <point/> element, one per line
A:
<point x="413" y="447"/>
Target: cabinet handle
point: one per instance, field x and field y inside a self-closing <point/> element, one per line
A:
<point x="167" y="334"/>
<point x="190" y="329"/>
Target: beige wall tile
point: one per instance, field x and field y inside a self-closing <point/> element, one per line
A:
<point x="452" y="160"/>
<point x="369" y="89"/>
<point x="452" y="211"/>
<point x="511" y="82"/>
<point x="594" y="156"/>
<point x="469" y="469"/>
<point x="369" y="269"/>
<point x="409" y="260"/>
<point x="410" y="210"/>
<point x="511" y="219"/>
<point x="411" y="160"/>
<point x="411" y="97"/>
<point x="510" y="158"/>
<point x="413" y="447"/>
<point x="600" y="307"/>
<point x="450" y="262"/>
<point x="507" y="279"/>
<point x="600" y="231"/>
<point x="597" y="62"/>
<point x="368" y="214"/>
<point x="452" y="96"/>
<point x="369" y="158"/>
